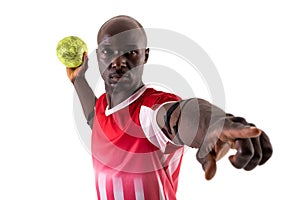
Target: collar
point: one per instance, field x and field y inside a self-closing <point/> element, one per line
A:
<point x="126" y="102"/>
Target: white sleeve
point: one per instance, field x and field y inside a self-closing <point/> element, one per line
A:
<point x="151" y="129"/>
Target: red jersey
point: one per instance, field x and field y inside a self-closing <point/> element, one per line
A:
<point x="132" y="157"/>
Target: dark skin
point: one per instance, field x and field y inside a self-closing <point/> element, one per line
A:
<point x="227" y="132"/>
<point x="121" y="59"/>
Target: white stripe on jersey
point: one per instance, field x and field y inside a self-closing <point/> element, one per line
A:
<point x="118" y="188"/>
<point x="155" y="136"/>
<point x="161" y="189"/>
<point x="138" y="189"/>
<point x="174" y="162"/>
<point x="102" y="186"/>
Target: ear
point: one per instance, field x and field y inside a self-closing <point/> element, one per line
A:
<point x="146" y="55"/>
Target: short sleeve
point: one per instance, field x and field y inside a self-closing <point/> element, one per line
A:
<point x="150" y="127"/>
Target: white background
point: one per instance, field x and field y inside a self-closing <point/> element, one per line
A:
<point x="255" y="46"/>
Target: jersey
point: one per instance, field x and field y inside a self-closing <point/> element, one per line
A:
<point x="132" y="157"/>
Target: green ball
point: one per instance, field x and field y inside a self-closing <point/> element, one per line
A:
<point x="70" y="51"/>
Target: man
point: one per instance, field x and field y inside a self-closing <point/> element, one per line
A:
<point x="138" y="133"/>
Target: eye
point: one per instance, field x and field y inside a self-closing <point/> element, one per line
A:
<point x="132" y="52"/>
<point x="107" y="52"/>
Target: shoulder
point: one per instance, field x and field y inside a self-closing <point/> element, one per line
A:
<point x="101" y="102"/>
<point x="152" y="97"/>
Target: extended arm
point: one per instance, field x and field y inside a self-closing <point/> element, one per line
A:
<point x="85" y="93"/>
<point x="199" y="124"/>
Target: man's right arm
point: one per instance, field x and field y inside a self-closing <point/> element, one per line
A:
<point x="199" y="124"/>
<point x="85" y="93"/>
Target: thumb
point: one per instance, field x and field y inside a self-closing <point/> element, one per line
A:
<point x="83" y="67"/>
<point x="84" y="61"/>
<point x="208" y="164"/>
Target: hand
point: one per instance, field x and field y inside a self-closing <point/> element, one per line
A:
<point x="253" y="146"/>
<point x="74" y="73"/>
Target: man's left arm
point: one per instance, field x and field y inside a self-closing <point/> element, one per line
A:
<point x="202" y="125"/>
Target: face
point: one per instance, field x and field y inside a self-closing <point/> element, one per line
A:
<point x="121" y="56"/>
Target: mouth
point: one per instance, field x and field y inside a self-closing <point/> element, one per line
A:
<point x="114" y="78"/>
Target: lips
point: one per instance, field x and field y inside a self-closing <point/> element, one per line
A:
<point x="119" y="77"/>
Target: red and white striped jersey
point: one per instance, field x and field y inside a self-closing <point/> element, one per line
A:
<point x="132" y="157"/>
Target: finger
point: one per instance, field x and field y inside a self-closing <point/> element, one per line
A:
<point x="233" y="130"/>
<point x="221" y="149"/>
<point x="229" y="115"/>
<point x="70" y="73"/>
<point x="244" y="153"/>
<point x="208" y="164"/>
<point x="266" y="147"/>
<point x="256" y="158"/>
<point x="84" y="61"/>
<point x="240" y="120"/>
<point x="80" y="70"/>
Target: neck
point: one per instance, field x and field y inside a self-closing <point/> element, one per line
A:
<point x="115" y="96"/>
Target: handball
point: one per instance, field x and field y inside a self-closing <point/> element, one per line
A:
<point x="70" y="50"/>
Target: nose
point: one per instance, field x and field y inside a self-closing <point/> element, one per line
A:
<point x="119" y="62"/>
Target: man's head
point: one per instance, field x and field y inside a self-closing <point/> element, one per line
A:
<point x="122" y="53"/>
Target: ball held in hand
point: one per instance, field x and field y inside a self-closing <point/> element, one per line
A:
<point x="70" y="51"/>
